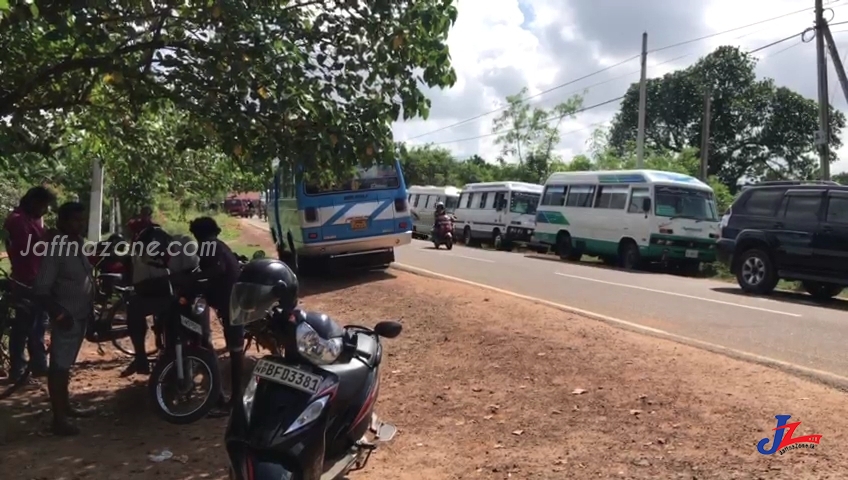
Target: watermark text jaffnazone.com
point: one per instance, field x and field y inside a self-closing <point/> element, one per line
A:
<point x="62" y="246"/>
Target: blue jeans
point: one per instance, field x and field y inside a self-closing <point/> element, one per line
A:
<point x="27" y="334"/>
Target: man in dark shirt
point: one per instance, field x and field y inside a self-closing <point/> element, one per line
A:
<point x="25" y="227"/>
<point x="221" y="267"/>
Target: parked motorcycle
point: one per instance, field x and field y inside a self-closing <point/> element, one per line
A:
<point x="308" y="411"/>
<point x="443" y="235"/>
<point x="184" y="355"/>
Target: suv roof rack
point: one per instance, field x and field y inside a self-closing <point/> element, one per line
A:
<point x="790" y="182"/>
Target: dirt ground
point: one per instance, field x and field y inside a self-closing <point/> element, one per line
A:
<point x="480" y="386"/>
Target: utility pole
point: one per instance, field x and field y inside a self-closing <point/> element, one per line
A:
<point x="95" y="208"/>
<point x="837" y="62"/>
<point x="823" y="136"/>
<point x="643" y="93"/>
<point x="705" y="136"/>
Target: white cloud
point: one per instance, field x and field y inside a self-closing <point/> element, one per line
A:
<point x="496" y="51"/>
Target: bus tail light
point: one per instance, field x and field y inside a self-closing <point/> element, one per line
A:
<point x="402" y="225"/>
<point x="400" y="205"/>
<point x="311" y="214"/>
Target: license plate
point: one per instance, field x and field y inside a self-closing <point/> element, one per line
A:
<point x="359" y="224"/>
<point x="288" y="376"/>
<point x="691" y="254"/>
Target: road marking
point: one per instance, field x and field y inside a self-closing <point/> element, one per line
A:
<point x="821" y="376"/>
<point x="456" y="255"/>
<point x="683" y="295"/>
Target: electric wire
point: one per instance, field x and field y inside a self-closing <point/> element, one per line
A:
<point x="558" y="117"/>
<point x="571" y="82"/>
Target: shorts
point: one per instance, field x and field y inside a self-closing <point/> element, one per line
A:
<point x="65" y="344"/>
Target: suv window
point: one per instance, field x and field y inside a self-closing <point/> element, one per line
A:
<point x="763" y="202"/>
<point x="800" y="208"/>
<point x="837" y="210"/>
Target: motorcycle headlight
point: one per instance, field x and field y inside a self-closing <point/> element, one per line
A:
<point x="249" y="395"/>
<point x="317" y="350"/>
<point x="312" y="412"/>
<point x="199" y="306"/>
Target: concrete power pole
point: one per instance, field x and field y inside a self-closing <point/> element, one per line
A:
<point x="705" y="137"/>
<point x="643" y="93"/>
<point x="823" y="137"/>
<point x="95" y="209"/>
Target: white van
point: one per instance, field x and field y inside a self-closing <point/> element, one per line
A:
<point x="629" y="216"/>
<point x="499" y="213"/>
<point x="422" y="206"/>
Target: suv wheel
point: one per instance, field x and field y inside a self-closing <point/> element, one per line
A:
<point x="756" y="273"/>
<point x="822" y="290"/>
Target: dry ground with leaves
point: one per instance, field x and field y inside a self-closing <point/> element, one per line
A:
<point x="480" y="386"/>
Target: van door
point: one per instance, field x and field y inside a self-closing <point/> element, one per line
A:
<point x="501" y="212"/>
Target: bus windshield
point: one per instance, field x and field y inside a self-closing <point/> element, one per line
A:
<point x="677" y="202"/>
<point x="522" y="203"/>
<point x="451" y="203"/>
<point x="377" y="177"/>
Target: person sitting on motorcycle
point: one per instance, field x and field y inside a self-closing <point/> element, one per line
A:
<point x="443" y="219"/>
<point x="220" y="266"/>
<point x="152" y="265"/>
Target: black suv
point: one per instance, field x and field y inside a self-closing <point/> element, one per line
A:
<point x="789" y="231"/>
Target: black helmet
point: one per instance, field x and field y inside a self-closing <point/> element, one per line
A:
<point x="261" y="284"/>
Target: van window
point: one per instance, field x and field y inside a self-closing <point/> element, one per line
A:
<point x="612" y="196"/>
<point x="451" y="203"/>
<point x="636" y="199"/>
<point x="483" y="197"/>
<point x="468" y="199"/>
<point x="499" y="200"/>
<point x="429" y="198"/>
<point x="554" y="195"/>
<point x="417" y="197"/>
<point x="837" y="210"/>
<point x="802" y="208"/>
<point x="763" y="202"/>
<point x="580" y="196"/>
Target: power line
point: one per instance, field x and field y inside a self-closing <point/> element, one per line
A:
<point x="785" y="39"/>
<point x="571" y="82"/>
<point x="557" y="87"/>
<point x="560" y="117"/>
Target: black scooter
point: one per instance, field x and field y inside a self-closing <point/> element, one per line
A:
<point x="309" y="416"/>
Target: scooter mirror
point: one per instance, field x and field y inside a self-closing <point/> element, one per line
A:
<point x="258" y="254"/>
<point x="388" y="329"/>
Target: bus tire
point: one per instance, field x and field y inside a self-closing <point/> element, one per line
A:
<point x="628" y="255"/>
<point x="565" y="248"/>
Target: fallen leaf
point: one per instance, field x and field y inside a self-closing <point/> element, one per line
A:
<point x="635" y="412"/>
<point x="578" y="391"/>
<point x="517" y="432"/>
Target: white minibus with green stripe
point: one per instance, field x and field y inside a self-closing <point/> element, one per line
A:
<point x="629" y="217"/>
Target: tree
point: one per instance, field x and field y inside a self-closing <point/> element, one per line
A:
<point x="757" y="130"/>
<point x="317" y="83"/>
<point x="530" y="134"/>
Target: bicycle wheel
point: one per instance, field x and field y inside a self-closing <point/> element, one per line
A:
<point x="117" y="318"/>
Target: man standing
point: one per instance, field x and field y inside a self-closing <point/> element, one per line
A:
<point x="66" y="287"/>
<point x="137" y="224"/>
<point x="25" y="227"/>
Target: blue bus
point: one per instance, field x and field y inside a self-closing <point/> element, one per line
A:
<point x="357" y="223"/>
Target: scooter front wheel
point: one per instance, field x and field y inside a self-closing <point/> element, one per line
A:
<point x="200" y="387"/>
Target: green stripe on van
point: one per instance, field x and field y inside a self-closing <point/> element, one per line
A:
<point x="555" y="218"/>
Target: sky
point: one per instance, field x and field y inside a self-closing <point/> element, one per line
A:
<point x="500" y="46"/>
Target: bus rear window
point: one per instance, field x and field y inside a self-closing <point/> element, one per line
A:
<point x="378" y="177"/>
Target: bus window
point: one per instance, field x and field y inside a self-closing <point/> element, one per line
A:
<point x="468" y="200"/>
<point x="375" y="178"/>
<point x="554" y="195"/>
<point x="524" y="203"/>
<point x="417" y="198"/>
<point x="611" y="196"/>
<point x="483" y="198"/>
<point x="451" y="203"/>
<point x="580" y="196"/>
<point x="636" y="199"/>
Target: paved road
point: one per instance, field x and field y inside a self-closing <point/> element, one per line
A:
<point x="786" y="327"/>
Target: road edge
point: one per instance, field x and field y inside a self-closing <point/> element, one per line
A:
<point x="819" y="376"/>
